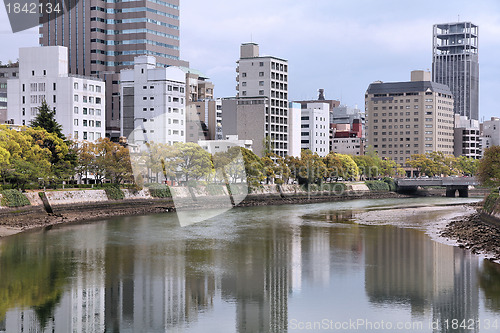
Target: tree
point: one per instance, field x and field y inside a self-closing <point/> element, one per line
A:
<point x="46" y="119"/>
<point x="349" y="167"/>
<point x="253" y="167"/>
<point x="112" y="161"/>
<point x="467" y="165"/>
<point x="310" y="168"/>
<point x="191" y="161"/>
<point x="489" y="167"/>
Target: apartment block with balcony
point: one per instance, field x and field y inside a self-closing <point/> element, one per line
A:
<point x="406" y="118"/>
<point x="467" y="137"/>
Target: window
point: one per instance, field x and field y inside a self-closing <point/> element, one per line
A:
<point x="243" y="84"/>
<point x="261" y="83"/>
<point x="54" y="86"/>
<point x="75" y="109"/>
<point x="85" y="111"/>
<point x="261" y="92"/>
<point x="75" y="122"/>
<point x="75" y="85"/>
<point x="243" y="74"/>
<point x="261" y="64"/>
<point x="32" y="73"/>
<point x="84" y="99"/>
<point x="84" y="135"/>
<point x="261" y="74"/>
<point x="85" y="123"/>
<point x="75" y="135"/>
<point x="54" y="98"/>
<point x="98" y="89"/>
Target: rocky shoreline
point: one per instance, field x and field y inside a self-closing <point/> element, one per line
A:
<point x="478" y="233"/>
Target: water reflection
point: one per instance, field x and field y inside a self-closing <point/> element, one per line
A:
<point x="404" y="266"/>
<point x="253" y="271"/>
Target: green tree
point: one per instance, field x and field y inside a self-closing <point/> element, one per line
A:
<point x="310" y="168"/>
<point x="253" y="167"/>
<point x="46" y="119"/>
<point x="349" y="167"/>
<point x="467" y="165"/>
<point x="489" y="167"/>
<point x="190" y="161"/>
<point x="112" y="161"/>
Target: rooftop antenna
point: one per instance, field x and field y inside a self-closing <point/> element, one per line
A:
<point x="458" y="18"/>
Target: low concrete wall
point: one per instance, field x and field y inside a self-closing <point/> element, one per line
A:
<point x="75" y="197"/>
<point x="34" y="198"/>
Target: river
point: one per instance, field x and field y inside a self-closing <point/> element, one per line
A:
<point x="355" y="266"/>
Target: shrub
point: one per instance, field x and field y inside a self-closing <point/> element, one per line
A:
<point x="159" y="191"/>
<point x="490" y="202"/>
<point x="377" y="185"/>
<point x="114" y="193"/>
<point x="391" y="183"/>
<point x="333" y="187"/>
<point x="14" y="198"/>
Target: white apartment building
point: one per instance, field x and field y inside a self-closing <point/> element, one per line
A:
<point x="266" y="76"/>
<point x="77" y="100"/>
<point x="315" y="128"/>
<point x="153" y="103"/>
<point x="294" y="136"/>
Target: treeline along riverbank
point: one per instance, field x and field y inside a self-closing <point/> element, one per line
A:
<point x="38" y="209"/>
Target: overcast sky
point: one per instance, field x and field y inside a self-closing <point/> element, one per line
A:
<point x="341" y="46"/>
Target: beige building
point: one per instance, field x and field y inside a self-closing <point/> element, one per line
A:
<point x="265" y="77"/>
<point x="406" y="118"/>
<point x="204" y="120"/>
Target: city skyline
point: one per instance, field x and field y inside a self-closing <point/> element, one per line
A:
<point x="374" y="44"/>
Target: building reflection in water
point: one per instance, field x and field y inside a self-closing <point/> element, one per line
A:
<point x="404" y="266"/>
<point x="131" y="277"/>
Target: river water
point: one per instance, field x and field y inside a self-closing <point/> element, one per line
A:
<point x="355" y="266"/>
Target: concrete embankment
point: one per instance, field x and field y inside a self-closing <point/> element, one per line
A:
<point x="68" y="206"/>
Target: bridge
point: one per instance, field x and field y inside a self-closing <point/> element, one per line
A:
<point x="452" y="184"/>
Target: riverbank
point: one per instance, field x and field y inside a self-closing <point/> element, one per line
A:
<point x="478" y="233"/>
<point x="67" y="207"/>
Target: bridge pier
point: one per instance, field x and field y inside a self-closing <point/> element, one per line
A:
<point x="450" y="192"/>
<point x="463" y="191"/>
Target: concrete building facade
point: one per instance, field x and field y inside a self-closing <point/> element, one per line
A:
<point x="455" y="63"/>
<point x="490" y="133"/>
<point x="347" y="139"/>
<point x="246" y="118"/>
<point x="9" y="71"/>
<point x="204" y="120"/>
<point x="103" y="37"/>
<point x="79" y="101"/>
<point x="153" y="103"/>
<point x="315" y="127"/>
<point x="265" y="76"/>
<point x="406" y="118"/>
<point x="467" y="139"/>
<point x="294" y="132"/>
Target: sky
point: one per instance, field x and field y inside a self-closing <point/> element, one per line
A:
<point x="340" y="46"/>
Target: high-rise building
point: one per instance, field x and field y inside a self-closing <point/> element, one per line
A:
<point x="265" y="76"/>
<point x="43" y="76"/>
<point x="455" y="64"/>
<point x="406" y="118"/>
<point x="103" y="37"/>
<point x="153" y="105"/>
